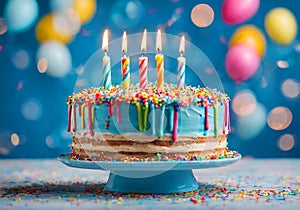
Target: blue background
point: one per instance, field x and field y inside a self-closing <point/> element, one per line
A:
<point x="47" y="136"/>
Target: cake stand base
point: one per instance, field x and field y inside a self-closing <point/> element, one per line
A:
<point x="157" y="177"/>
<point x="168" y="182"/>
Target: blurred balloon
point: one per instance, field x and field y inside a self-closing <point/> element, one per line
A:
<point x="58" y="57"/>
<point x="237" y="11"/>
<point x="20" y="15"/>
<point x="241" y="62"/>
<point x="251" y="125"/>
<point x="281" y="25"/>
<point x="202" y="15"/>
<point x="46" y="31"/>
<point x="57" y="5"/>
<point x="249" y="35"/>
<point x="127" y="14"/>
<point x="86" y="9"/>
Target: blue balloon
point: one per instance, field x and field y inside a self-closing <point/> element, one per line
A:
<point x="251" y="125"/>
<point x="57" y="5"/>
<point x="58" y="57"/>
<point x="20" y="15"/>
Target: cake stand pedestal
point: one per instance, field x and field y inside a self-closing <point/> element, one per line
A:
<point x="159" y="177"/>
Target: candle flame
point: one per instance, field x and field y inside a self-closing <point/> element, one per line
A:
<point x="124" y="42"/>
<point x="182" y="45"/>
<point x="144" y="41"/>
<point x="105" y="41"/>
<point x="158" y="41"/>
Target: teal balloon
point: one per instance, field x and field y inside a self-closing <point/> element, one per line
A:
<point x="57" y="5"/>
<point x="58" y="57"/>
<point x="20" y="15"/>
<point x="251" y="125"/>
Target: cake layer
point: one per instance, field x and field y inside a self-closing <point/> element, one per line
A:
<point x="110" y="145"/>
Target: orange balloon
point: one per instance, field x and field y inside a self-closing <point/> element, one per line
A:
<point x="249" y="35"/>
<point x="45" y="31"/>
<point x="86" y="9"/>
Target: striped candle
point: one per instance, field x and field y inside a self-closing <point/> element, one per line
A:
<point x="181" y="65"/>
<point x="106" y="62"/>
<point x="125" y="64"/>
<point x="125" y="72"/>
<point x="181" y="72"/>
<point x="106" y="72"/>
<point x="159" y="61"/>
<point x="143" y="67"/>
<point x="143" y="64"/>
<point x="160" y="70"/>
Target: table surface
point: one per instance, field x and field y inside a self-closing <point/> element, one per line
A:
<point x="247" y="184"/>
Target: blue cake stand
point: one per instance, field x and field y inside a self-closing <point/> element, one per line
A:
<point x="159" y="177"/>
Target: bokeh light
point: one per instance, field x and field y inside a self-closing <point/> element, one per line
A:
<point x="21" y="59"/>
<point x="5" y="143"/>
<point x="202" y="15"/>
<point x="50" y="142"/>
<point x="290" y="88"/>
<point x="66" y="21"/>
<point x="249" y="126"/>
<point x="32" y="109"/>
<point x="15" y="139"/>
<point x="127" y="14"/>
<point x="244" y="103"/>
<point x="286" y="142"/>
<point x="280" y="118"/>
<point x="282" y="64"/>
<point x="3" y="26"/>
<point x="57" y="5"/>
<point x="42" y="65"/>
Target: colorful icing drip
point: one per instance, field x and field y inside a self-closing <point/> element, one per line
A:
<point x="175" y="122"/>
<point x="138" y="106"/>
<point x="216" y="129"/>
<point x="206" y="123"/>
<point x="118" y="112"/>
<point x="144" y="112"/>
<point x="90" y="118"/>
<point x="228" y="118"/>
<point x="69" y="117"/>
<point x="74" y="118"/>
<point x="171" y="118"/>
<point x="152" y="119"/>
<point x="160" y="115"/>
<point x="82" y="116"/>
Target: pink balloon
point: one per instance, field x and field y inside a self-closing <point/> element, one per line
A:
<point x="241" y="62"/>
<point x="238" y="11"/>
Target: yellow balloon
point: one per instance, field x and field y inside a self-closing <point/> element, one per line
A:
<point x="86" y="9"/>
<point x="251" y="36"/>
<point x="281" y="25"/>
<point x="45" y="31"/>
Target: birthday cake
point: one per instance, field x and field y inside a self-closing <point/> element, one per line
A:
<point x="147" y="121"/>
<point x="151" y="123"/>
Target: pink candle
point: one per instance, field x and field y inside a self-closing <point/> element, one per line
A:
<point x="143" y="64"/>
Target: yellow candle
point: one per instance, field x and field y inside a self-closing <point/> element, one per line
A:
<point x="159" y="62"/>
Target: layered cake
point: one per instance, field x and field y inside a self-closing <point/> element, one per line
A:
<point x="166" y="123"/>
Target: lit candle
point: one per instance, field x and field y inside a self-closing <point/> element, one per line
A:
<point x="181" y="65"/>
<point x="106" y="62"/>
<point x="143" y="63"/>
<point x="159" y="61"/>
<point x="125" y="64"/>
